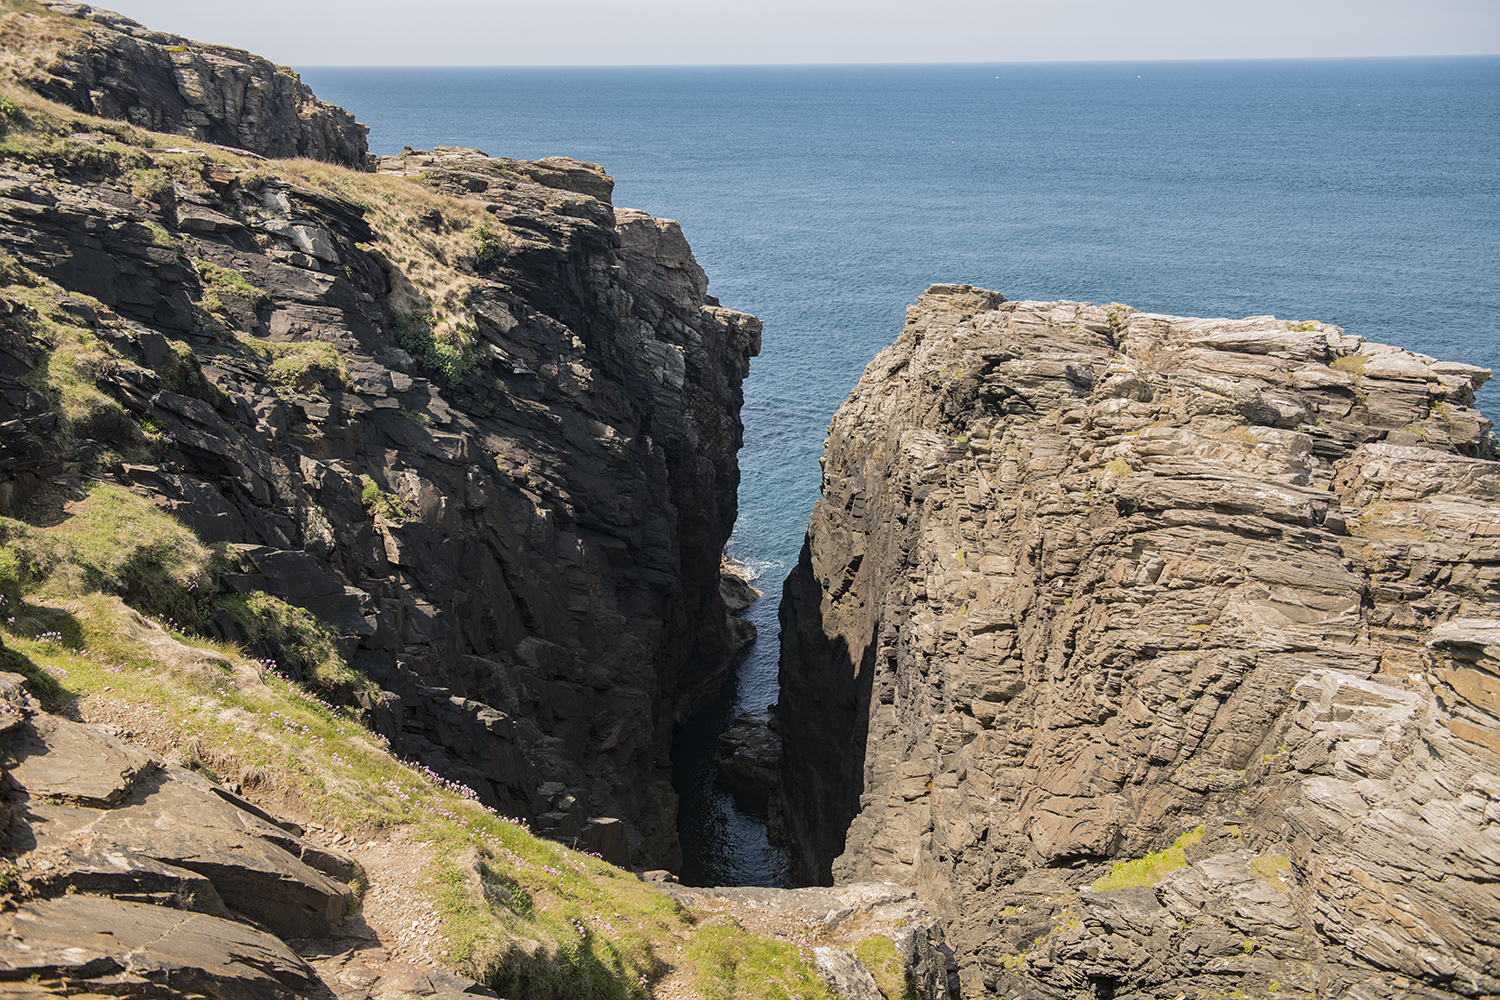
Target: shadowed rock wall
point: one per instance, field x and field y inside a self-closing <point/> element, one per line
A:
<point x="524" y="550"/>
<point x="1083" y="579"/>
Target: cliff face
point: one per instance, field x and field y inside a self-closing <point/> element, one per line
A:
<point x="475" y="418"/>
<point x="1084" y="580"/>
<point x="103" y="63"/>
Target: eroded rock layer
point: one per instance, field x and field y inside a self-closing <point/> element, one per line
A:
<point x="517" y="533"/>
<point x="1083" y="580"/>
<point x="106" y="64"/>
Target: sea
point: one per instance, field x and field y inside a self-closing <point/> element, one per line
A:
<point x="825" y="199"/>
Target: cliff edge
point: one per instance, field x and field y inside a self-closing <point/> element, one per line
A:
<point x="476" y="420"/>
<point x="1159" y="653"/>
<point x="103" y="63"/>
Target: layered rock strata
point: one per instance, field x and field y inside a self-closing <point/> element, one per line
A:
<point x="1083" y="581"/>
<point x="517" y="532"/>
<point x="103" y="63"/>
<point x="139" y="876"/>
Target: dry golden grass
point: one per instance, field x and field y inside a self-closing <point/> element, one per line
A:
<point x="31" y="37"/>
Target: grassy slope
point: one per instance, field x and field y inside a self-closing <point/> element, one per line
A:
<point x="78" y="573"/>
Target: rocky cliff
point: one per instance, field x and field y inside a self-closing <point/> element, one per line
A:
<point x="473" y="417"/>
<point x="1160" y="653"/>
<point x="307" y="469"/>
<point x="103" y="63"/>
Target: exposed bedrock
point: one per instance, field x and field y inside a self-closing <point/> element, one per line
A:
<point x="522" y="548"/>
<point x="106" y="64"/>
<point x="1083" y="580"/>
<point x="141" y="877"/>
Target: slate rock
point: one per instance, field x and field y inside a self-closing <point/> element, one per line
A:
<point x="129" y="949"/>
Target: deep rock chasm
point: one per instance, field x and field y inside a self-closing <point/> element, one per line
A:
<point x="1128" y="655"/>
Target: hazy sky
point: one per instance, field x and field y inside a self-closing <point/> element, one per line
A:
<point x="620" y="32"/>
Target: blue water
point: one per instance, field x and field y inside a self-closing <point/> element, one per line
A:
<point x="825" y="199"/>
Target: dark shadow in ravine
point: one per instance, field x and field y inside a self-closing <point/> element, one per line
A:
<point x="824" y="714"/>
<point x="722" y="843"/>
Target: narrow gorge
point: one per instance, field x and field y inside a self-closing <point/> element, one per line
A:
<point x="1086" y="584"/>
<point x="362" y="535"/>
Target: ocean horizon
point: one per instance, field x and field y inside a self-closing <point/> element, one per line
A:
<point x="1363" y="192"/>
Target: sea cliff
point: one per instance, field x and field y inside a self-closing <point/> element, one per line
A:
<point x="1086" y="584"/>
<point x="361" y="523"/>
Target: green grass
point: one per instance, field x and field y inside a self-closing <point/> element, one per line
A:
<point x="1151" y="869"/>
<point x="735" y="965"/>
<point x="891" y="975"/>
<point x="301" y="640"/>
<point x="523" y="914"/>
<point x="1351" y="364"/>
<point x="223" y="279"/>
<point x="300" y="366"/>
<point x="112" y="542"/>
<point x="378" y="501"/>
<point x="450" y="360"/>
<point x="72" y="360"/>
<point x="519" y="912"/>
<point x="1272" y="869"/>
<point x="149" y="184"/>
<point x="489" y="245"/>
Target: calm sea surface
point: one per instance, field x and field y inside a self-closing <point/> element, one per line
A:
<point x="826" y="199"/>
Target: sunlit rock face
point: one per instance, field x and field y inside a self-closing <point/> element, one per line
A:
<point x="106" y="64"/>
<point x="1083" y="580"/>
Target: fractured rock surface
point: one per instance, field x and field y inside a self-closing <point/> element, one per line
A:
<point x="106" y="64"/>
<point x="1083" y="579"/>
<point x="538" y="589"/>
<point x="138" y="876"/>
<point x="833" y="921"/>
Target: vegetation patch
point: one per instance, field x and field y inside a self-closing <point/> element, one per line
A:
<point x="300" y="366"/>
<point x="735" y="965"/>
<point x="416" y="337"/>
<point x="1351" y="364"/>
<point x="150" y="184"/>
<point x="111" y="542"/>
<point x="1272" y="870"/>
<point x="299" y="641"/>
<point x="378" y="502"/>
<point x="223" y="279"/>
<point x="1151" y="869"/>
<point x="878" y="954"/>
<point x="489" y="245"/>
<point x="72" y="360"/>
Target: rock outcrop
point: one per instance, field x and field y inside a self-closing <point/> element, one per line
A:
<point x="1086" y="583"/>
<point x="748" y="758"/>
<point x="839" y="925"/>
<point x="103" y="63"/>
<point x="472" y="416"/>
<point x="138" y="873"/>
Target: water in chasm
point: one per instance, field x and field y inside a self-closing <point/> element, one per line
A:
<point x="825" y="199"/>
<point x="722" y="843"/>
